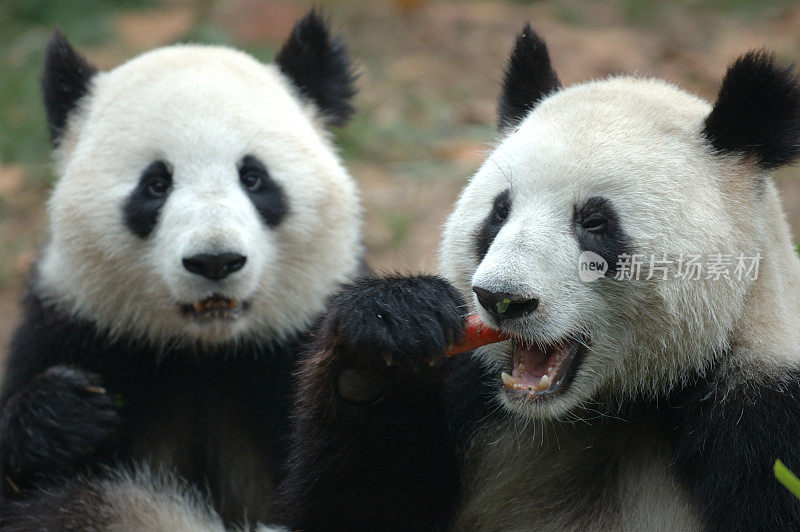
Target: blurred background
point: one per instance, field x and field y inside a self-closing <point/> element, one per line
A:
<point x="430" y="72"/>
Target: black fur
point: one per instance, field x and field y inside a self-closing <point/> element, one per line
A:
<point x="387" y="464"/>
<point x="145" y="202"/>
<point x="470" y="399"/>
<point x="64" y="415"/>
<point x="757" y="112"/>
<point x="598" y="229"/>
<point x="726" y="442"/>
<point x="413" y="318"/>
<point x="66" y="79"/>
<point x="61" y="508"/>
<point x="267" y="195"/>
<point x="74" y="399"/>
<point x="319" y="66"/>
<point x="528" y="78"/>
<point x="494" y="221"/>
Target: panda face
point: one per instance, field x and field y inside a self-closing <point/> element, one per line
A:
<point x="198" y="200"/>
<point x="612" y="167"/>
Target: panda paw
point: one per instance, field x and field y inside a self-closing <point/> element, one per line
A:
<point x="403" y="321"/>
<point x="62" y="417"/>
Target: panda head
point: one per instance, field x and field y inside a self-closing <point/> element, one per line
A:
<point x="613" y="170"/>
<point x="199" y="198"/>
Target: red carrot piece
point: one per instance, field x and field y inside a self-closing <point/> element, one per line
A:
<point x="476" y="334"/>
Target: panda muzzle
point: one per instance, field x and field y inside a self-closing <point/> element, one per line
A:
<point x="216" y="307"/>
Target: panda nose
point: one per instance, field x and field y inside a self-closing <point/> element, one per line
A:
<point x="214" y="267"/>
<point x="504" y="305"/>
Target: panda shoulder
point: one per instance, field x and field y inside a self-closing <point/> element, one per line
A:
<point x="728" y="433"/>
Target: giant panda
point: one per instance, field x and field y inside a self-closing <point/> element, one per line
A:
<point x="620" y="401"/>
<point x="200" y="219"/>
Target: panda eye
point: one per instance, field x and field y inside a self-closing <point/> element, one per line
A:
<point x="253" y="175"/>
<point x="252" y="182"/>
<point x="157" y="179"/>
<point x="158" y="187"/>
<point x="595" y="223"/>
<point x="501" y="211"/>
<point x="266" y="195"/>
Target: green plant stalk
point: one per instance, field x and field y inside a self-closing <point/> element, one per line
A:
<point x="787" y="478"/>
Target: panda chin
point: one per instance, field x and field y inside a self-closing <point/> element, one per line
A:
<point x="543" y="372"/>
<point x="214" y="309"/>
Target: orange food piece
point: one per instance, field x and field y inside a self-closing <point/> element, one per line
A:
<point x="476" y="334"/>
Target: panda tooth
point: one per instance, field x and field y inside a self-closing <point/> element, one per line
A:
<point x="508" y="380"/>
<point x="544" y="383"/>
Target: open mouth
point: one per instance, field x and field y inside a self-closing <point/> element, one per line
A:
<point x="214" y="308"/>
<point x="541" y="372"/>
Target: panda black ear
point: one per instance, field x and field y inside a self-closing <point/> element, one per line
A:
<point x="319" y="66"/>
<point x="757" y="112"/>
<point x="65" y="80"/>
<point x="528" y="78"/>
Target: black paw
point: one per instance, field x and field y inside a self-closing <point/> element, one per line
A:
<point x="394" y="320"/>
<point x="63" y="416"/>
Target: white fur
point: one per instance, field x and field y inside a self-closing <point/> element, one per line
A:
<point x="562" y="476"/>
<point x="201" y="109"/>
<point x="141" y="499"/>
<point x="638" y="143"/>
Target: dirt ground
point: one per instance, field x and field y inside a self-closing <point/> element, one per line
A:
<point x="430" y="72"/>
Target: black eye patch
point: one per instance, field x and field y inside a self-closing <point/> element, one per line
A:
<point x="596" y="225"/>
<point x="264" y="192"/>
<point x="501" y="208"/>
<point x="145" y="202"/>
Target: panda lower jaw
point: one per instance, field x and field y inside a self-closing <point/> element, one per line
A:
<point x="214" y="309"/>
<point x="541" y="373"/>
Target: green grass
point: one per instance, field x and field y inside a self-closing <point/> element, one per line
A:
<point x="366" y="139"/>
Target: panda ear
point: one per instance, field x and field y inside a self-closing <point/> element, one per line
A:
<point x="757" y="111"/>
<point x="65" y="80"/>
<point x="319" y="66"/>
<point x="528" y="78"/>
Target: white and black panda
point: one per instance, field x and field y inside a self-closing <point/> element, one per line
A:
<point x="200" y="220"/>
<point x="622" y="403"/>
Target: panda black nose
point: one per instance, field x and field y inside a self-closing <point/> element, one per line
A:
<point x="504" y="305"/>
<point x="215" y="267"/>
